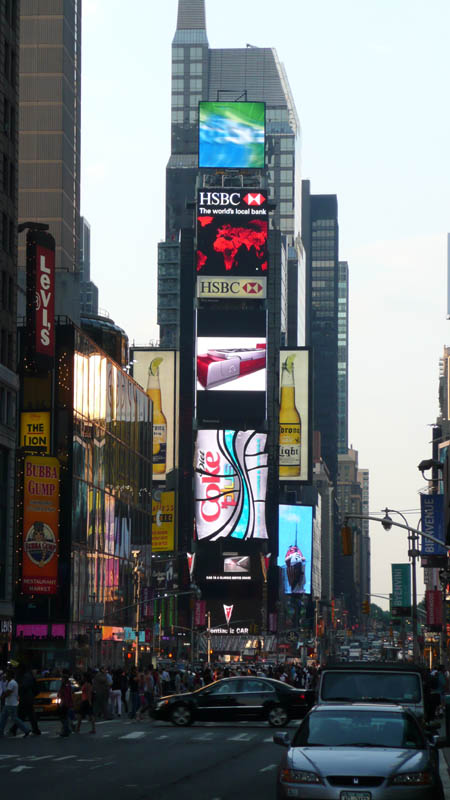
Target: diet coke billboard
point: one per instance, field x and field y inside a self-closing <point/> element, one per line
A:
<point x="230" y="485"/>
<point x="41" y="294"/>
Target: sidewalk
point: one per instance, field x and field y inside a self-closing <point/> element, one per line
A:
<point x="444" y="769"/>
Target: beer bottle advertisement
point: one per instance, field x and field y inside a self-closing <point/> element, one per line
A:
<point x="156" y="371"/>
<point x="294" y="455"/>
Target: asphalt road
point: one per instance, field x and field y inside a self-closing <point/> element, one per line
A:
<point x="148" y="760"/>
<point x="151" y="760"/>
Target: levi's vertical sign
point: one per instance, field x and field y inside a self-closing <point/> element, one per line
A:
<point x="41" y="293"/>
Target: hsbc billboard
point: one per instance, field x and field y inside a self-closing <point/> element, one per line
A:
<point x="232" y="229"/>
<point x="223" y="287"/>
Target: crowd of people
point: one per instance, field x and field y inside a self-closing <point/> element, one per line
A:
<point x="105" y="693"/>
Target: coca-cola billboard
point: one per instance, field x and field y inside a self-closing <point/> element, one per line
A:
<point x="41" y="294"/>
<point x="230" y="484"/>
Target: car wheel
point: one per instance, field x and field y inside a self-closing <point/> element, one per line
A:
<point x="181" y="715"/>
<point x="277" y="716"/>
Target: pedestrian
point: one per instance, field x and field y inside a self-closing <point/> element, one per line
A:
<point x="133" y="685"/>
<point x="86" y="708"/>
<point x="11" y="705"/>
<point x="28" y="689"/>
<point x="101" y="693"/>
<point x="65" y="704"/>
<point x="116" y="692"/>
<point x="177" y="682"/>
<point x="165" y="680"/>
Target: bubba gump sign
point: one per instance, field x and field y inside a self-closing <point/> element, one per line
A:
<point x="40" y="542"/>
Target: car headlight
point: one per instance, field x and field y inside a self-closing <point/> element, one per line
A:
<point x="299" y="776"/>
<point x="56" y="700"/>
<point x="413" y="779"/>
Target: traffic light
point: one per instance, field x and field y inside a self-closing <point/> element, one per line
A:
<point x="347" y="540"/>
<point x="366" y="607"/>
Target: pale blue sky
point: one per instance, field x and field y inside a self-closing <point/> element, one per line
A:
<point x="370" y="82"/>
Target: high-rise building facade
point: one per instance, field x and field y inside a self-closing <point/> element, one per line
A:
<point x="9" y="58"/>
<point x="88" y="289"/>
<point x="342" y="357"/>
<point x="203" y="73"/>
<point x="320" y="236"/>
<point x="49" y="134"/>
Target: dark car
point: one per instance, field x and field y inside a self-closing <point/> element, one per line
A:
<point x="233" y="699"/>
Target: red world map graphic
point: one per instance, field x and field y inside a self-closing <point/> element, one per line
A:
<point x="229" y="239"/>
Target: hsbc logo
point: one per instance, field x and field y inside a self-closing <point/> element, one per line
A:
<point x="254" y="199"/>
<point x="232" y="288"/>
<point x="219" y="198"/>
<point x="252" y="287"/>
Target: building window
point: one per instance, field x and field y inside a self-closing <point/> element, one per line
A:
<point x="12" y="181"/>
<point x="286" y="192"/>
<point x="286" y="176"/>
<point x="177" y="52"/>
<point x="193" y="116"/>
<point x="11" y="237"/>
<point x="5" y="174"/>
<point x="195" y="84"/>
<point x="177" y="68"/>
<point x="194" y="100"/>
<point x="285" y="208"/>
<point x="196" y="68"/>
<point x="10" y="294"/>
<point x="177" y="116"/>
<point x="286" y="160"/>
<point x="5" y="232"/>
<point x="178" y="85"/>
<point x="177" y="100"/>
<point x="196" y="52"/>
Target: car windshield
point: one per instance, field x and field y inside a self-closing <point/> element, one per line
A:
<point x="354" y="728"/>
<point x="372" y="687"/>
<point x="50" y="685"/>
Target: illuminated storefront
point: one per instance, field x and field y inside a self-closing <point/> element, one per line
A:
<point x="102" y="439"/>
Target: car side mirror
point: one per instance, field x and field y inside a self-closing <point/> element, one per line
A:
<point x="282" y="739"/>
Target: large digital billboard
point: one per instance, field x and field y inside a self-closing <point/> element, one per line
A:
<point x="295" y="415"/>
<point x="237" y="363"/>
<point x="232" y="230"/>
<point x="231" y="135"/>
<point x="295" y="525"/>
<point x="230" y="485"/>
<point x="157" y="372"/>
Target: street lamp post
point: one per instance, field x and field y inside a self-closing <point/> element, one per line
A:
<point x="413" y="553"/>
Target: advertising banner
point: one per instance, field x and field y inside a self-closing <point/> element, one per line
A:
<point x="163" y="521"/>
<point x="237" y="363"/>
<point x="35" y="431"/>
<point x="157" y="372"/>
<point x="224" y="288"/>
<point x="231" y="135"/>
<point x="232" y="231"/>
<point x="40" y="525"/>
<point x="230" y="484"/>
<point x="41" y="293"/>
<point x="432" y="514"/>
<point x="295" y="527"/>
<point x="434" y="606"/>
<point x="200" y="613"/>
<point x="401" y="590"/>
<point x="295" y="416"/>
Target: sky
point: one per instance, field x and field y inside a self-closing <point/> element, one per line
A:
<point x="370" y="83"/>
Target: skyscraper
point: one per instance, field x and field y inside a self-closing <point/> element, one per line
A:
<point x="9" y="50"/>
<point x="49" y="134"/>
<point x="342" y="357"/>
<point x="320" y="235"/>
<point x="88" y="289"/>
<point x="203" y="73"/>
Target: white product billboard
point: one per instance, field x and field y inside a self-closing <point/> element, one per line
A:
<point x="157" y="372"/>
<point x="231" y="363"/>
<point x="230" y="485"/>
<point x="294" y="419"/>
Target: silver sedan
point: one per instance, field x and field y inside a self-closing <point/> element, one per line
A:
<point x="359" y="752"/>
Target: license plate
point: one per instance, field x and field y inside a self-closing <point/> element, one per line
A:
<point x="356" y="795"/>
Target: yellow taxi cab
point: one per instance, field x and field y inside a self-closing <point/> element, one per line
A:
<point x="46" y="702"/>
